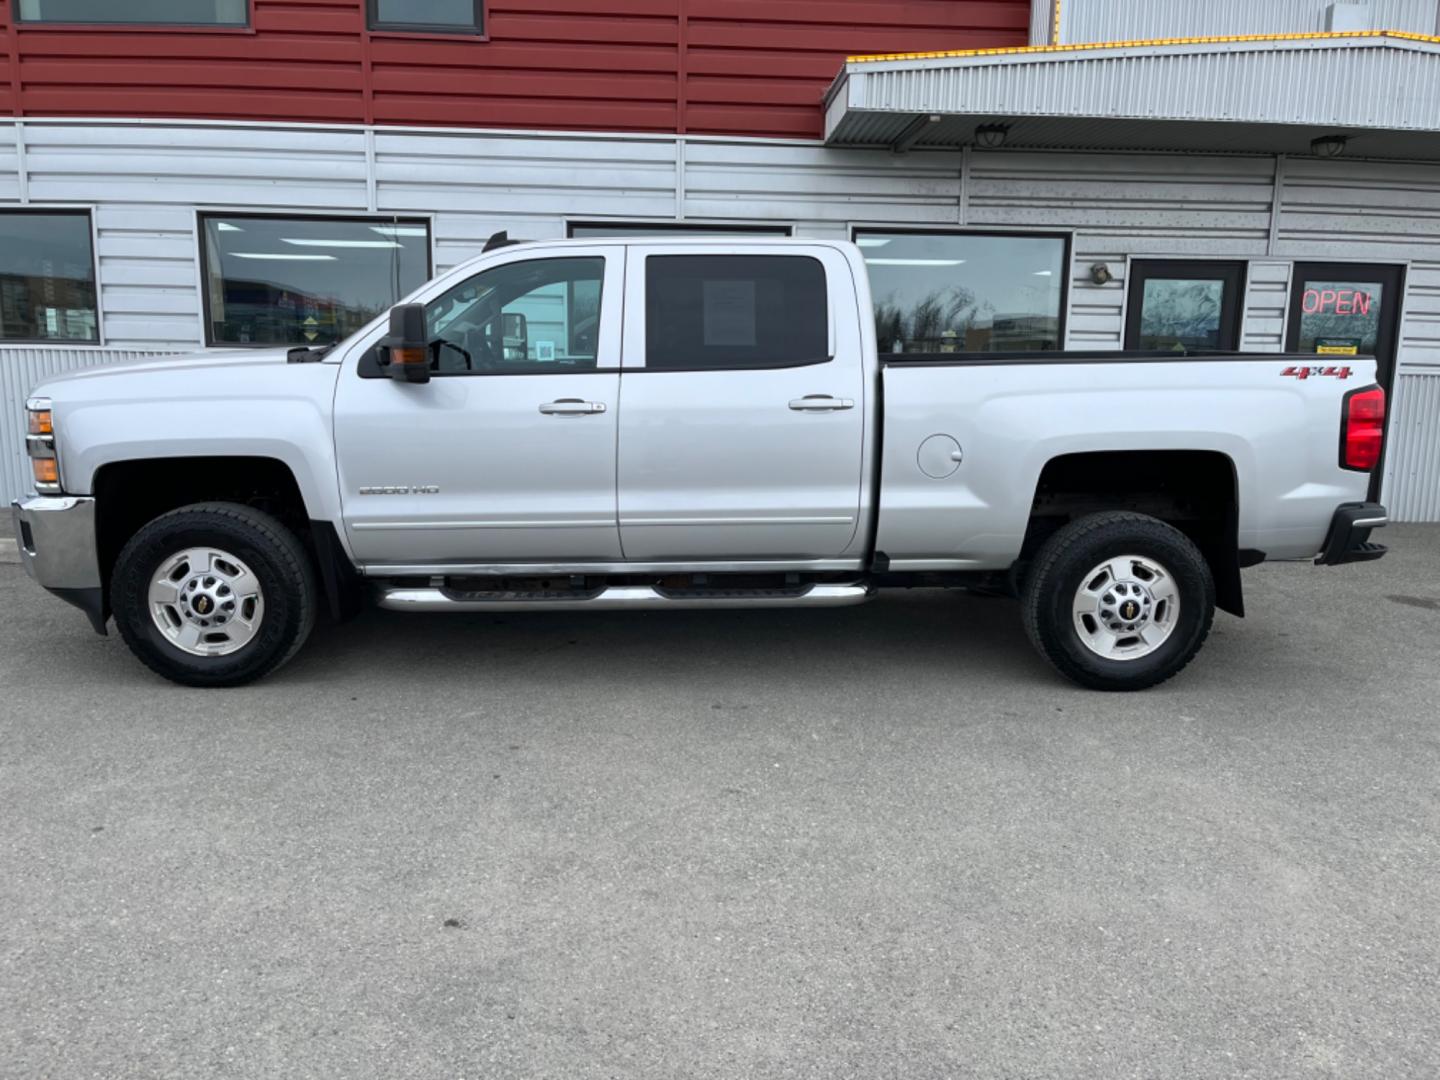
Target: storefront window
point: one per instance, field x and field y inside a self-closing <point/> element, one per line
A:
<point x="47" y="277"/>
<point x="445" y="16"/>
<point x="1184" y="304"/>
<point x="641" y="228"/>
<point x="965" y="292"/>
<point x="306" y="281"/>
<point x="172" y="12"/>
<point x="1340" y="318"/>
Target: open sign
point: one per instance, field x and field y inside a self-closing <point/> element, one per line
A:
<point x="1336" y="302"/>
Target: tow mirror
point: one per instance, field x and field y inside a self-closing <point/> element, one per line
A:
<point x="408" y="345"/>
<point x="515" y="328"/>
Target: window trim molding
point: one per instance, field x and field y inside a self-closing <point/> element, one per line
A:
<point x="51" y="26"/>
<point x="478" y="32"/>
<point x="87" y="209"/>
<point x="1067" y="274"/>
<point x="672" y="227"/>
<point x="201" y="252"/>
<point x="1141" y="268"/>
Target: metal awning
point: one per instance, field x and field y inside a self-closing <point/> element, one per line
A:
<point x="1255" y="94"/>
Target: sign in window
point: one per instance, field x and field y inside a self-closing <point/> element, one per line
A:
<point x="1340" y="318"/>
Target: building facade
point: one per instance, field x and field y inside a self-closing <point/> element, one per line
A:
<point x="1021" y="174"/>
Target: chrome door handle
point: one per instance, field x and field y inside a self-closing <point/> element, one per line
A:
<point x="572" y="407"/>
<point x="821" y="403"/>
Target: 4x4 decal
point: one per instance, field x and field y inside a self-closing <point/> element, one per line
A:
<point x="1307" y="372"/>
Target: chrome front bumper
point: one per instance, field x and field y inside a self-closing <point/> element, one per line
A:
<point x="56" y="537"/>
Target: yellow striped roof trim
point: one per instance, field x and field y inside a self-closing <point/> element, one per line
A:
<point x="1090" y="46"/>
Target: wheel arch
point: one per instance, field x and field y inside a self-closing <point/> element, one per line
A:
<point x="1196" y="491"/>
<point x="131" y="492"/>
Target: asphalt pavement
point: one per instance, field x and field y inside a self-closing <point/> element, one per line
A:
<point x="877" y="842"/>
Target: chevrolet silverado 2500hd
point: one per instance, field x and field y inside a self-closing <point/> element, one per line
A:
<point x="683" y="423"/>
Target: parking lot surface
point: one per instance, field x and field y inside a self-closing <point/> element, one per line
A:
<point x="877" y="842"/>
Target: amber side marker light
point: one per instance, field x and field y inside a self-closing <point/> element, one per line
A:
<point x="47" y="471"/>
<point x="40" y="422"/>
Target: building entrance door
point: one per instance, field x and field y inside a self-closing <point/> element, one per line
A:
<point x="1346" y="309"/>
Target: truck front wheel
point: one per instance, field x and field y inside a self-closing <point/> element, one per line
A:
<point x="1118" y="601"/>
<point x="214" y="594"/>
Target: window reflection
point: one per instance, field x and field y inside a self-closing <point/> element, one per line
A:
<point x="1177" y="313"/>
<point x="952" y="292"/>
<point x="307" y="281"/>
<point x="175" y="12"/>
<point x="47" y="277"/>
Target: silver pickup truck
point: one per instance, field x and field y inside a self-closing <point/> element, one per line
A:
<point x="684" y="423"/>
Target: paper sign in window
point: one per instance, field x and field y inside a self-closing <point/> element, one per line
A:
<point x="730" y="313"/>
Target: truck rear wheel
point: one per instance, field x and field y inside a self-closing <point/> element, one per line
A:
<point x="1119" y="601"/>
<point x="214" y="594"/>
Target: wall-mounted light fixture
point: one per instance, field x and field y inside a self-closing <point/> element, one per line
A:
<point x="1100" y="274"/>
<point x="991" y="136"/>
<point x="1329" y="145"/>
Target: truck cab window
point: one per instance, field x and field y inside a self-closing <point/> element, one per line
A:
<point x="523" y="317"/>
<point x="735" y="311"/>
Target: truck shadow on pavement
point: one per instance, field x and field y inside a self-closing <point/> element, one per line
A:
<point x="922" y="634"/>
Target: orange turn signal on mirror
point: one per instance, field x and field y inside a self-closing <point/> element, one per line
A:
<point x="41" y="422"/>
<point x="47" y="470"/>
<point x="409" y="356"/>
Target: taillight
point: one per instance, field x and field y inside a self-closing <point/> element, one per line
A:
<point x="1363" y="430"/>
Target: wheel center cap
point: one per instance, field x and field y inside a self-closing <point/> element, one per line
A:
<point x="204" y="605"/>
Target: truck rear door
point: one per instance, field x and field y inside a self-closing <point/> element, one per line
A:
<point x="742" y="412"/>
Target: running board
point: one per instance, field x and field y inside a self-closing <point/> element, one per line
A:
<point x="628" y="598"/>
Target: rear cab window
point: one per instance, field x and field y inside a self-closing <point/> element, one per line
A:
<point x="707" y="312"/>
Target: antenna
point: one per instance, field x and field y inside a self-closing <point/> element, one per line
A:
<point x="499" y="240"/>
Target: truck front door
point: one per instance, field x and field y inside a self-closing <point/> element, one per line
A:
<point x="742" y="414"/>
<point x="508" y="453"/>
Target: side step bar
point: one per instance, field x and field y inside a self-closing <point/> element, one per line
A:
<point x="625" y="597"/>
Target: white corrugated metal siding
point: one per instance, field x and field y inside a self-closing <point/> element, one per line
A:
<point x="20" y="370"/>
<point x="1412" y="466"/>
<point x="1131" y="20"/>
<point x="9" y="163"/>
<point x="1346" y="83"/>
<point x="1266" y="298"/>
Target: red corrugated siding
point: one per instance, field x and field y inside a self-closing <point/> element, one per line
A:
<point x="715" y="66"/>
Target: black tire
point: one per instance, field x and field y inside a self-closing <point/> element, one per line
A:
<point x="1060" y="569"/>
<point x="268" y="548"/>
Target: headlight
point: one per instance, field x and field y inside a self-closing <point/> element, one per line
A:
<point x="40" y="443"/>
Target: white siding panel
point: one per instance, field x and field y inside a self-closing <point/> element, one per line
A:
<point x="752" y="181"/>
<point x="236" y="167"/>
<point x="1412" y="466"/>
<point x="1133" y="203"/>
<point x="1266" y="297"/>
<point x="20" y="370"/>
<point x="1420" y="332"/>
<point x="477" y="185"/>
<point x="148" y="285"/>
<point x="1097" y="312"/>
<point x="1128" y="20"/>
<point x="9" y="165"/>
<point x="1336" y="209"/>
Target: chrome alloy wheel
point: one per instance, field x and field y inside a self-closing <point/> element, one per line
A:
<point x="206" y="602"/>
<point x="1126" y="608"/>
